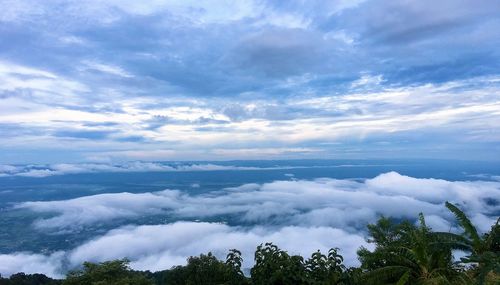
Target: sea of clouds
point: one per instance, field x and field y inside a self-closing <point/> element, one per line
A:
<point x="300" y="216"/>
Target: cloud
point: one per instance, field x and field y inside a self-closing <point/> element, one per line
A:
<point x="163" y="246"/>
<point x="34" y="170"/>
<point x="109" y="69"/>
<point x="458" y="113"/>
<point x="271" y="52"/>
<point x="32" y="263"/>
<point x="300" y="216"/>
<point x="37" y="84"/>
<point x="407" y="21"/>
<point x="159" y="247"/>
<point x="344" y="204"/>
<point x="92" y="135"/>
<point x="298" y="74"/>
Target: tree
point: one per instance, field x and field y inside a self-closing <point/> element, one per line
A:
<point x="385" y="234"/>
<point x="116" y="272"/>
<point x="410" y="255"/>
<point x="322" y="269"/>
<point x="274" y="266"/>
<point x="233" y="266"/>
<point x="28" y="279"/>
<point x="207" y="269"/>
<point x="484" y="250"/>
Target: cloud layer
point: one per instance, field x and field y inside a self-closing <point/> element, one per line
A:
<point x="41" y="170"/>
<point x="163" y="246"/>
<point x="159" y="247"/>
<point x="299" y="215"/>
<point x="345" y="204"/>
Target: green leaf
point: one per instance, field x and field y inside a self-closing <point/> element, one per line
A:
<point x="404" y="279"/>
<point x="466" y="224"/>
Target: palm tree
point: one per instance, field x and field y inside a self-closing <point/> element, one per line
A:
<point x="420" y="259"/>
<point x="484" y="250"/>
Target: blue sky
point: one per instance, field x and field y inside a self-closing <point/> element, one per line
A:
<point x="216" y="80"/>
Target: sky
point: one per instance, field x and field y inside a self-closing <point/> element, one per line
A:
<point x="104" y="81"/>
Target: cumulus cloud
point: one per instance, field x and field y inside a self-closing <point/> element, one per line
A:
<point x="345" y="204"/>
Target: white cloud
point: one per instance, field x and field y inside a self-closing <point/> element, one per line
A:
<point x="6" y="169"/>
<point x="259" y="152"/>
<point x="14" y="77"/>
<point x="37" y="86"/>
<point x="31" y="263"/>
<point x="367" y="80"/>
<point x="344" y="204"/>
<point x="163" y="246"/>
<point x="106" y="68"/>
<point x="35" y="173"/>
<point x="159" y="247"/>
<point x="72" y="40"/>
<point x="136" y="166"/>
<point x="210" y="129"/>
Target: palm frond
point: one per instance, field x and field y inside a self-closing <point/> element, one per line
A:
<point x="384" y="274"/>
<point x="404" y="279"/>
<point x="466" y="224"/>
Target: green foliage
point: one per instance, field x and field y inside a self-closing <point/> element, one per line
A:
<point x="116" y="272"/>
<point x="385" y="234"/>
<point x="322" y="269"/>
<point x="233" y="264"/>
<point x="274" y="266"/>
<point x="412" y="255"/>
<point x="28" y="279"/>
<point x="484" y="250"/>
<point x="409" y="254"/>
<point x="469" y="230"/>
<point x="207" y="269"/>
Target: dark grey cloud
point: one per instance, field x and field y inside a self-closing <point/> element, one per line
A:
<point x="89" y="135"/>
<point x="425" y="41"/>
<point x="403" y="22"/>
<point x="224" y="59"/>
<point x="280" y="52"/>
